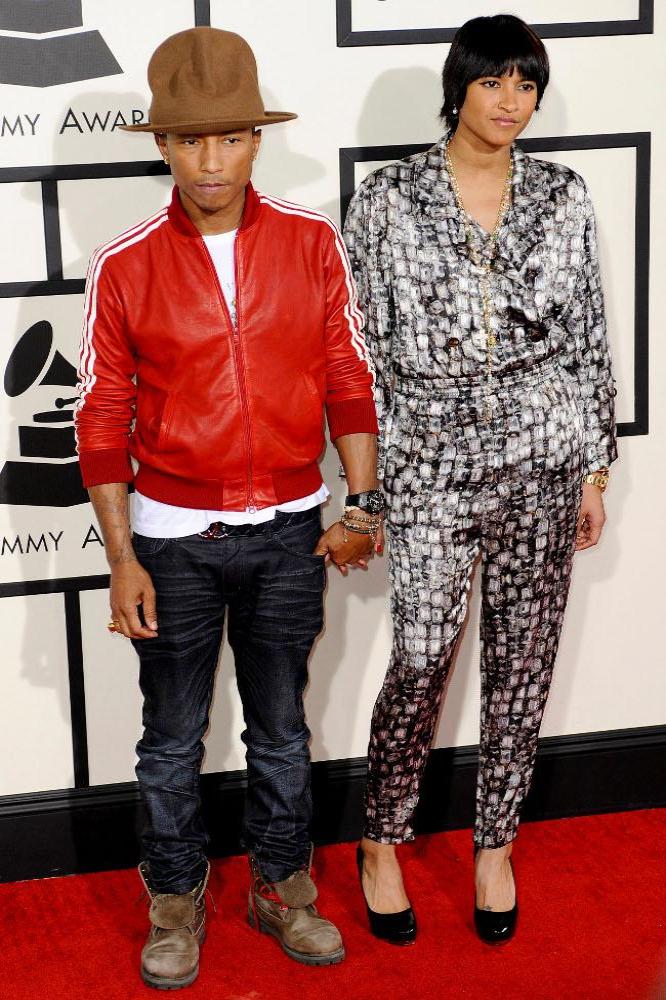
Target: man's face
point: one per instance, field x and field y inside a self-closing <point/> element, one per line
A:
<point x="211" y="170"/>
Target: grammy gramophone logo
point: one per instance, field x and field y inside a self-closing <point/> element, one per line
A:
<point x="46" y="471"/>
<point x="74" y="53"/>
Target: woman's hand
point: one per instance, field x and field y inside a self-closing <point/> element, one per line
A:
<point x="591" y="518"/>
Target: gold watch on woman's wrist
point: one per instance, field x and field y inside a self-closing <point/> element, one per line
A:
<point x="599" y="478"/>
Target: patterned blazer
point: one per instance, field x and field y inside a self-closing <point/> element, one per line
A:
<point x="419" y="289"/>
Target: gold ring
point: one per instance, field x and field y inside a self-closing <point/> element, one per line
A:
<point x="113" y="626"/>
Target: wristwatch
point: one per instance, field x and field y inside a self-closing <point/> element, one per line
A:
<point x="599" y="479"/>
<point x="372" y="501"/>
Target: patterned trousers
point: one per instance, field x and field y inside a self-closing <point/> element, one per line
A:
<point x="509" y="489"/>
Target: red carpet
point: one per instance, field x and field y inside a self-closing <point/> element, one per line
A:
<point x="592" y="925"/>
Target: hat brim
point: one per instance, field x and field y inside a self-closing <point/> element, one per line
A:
<point x="211" y="127"/>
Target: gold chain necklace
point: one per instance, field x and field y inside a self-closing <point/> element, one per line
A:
<point x="485" y="266"/>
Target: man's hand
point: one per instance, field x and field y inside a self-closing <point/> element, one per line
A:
<point x="131" y="586"/>
<point x="356" y="551"/>
<point x="591" y="518"/>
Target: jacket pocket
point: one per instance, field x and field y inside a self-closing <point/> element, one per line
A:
<point x="150" y="406"/>
<point x="314" y="395"/>
<point x="313" y="388"/>
<point x="165" y="422"/>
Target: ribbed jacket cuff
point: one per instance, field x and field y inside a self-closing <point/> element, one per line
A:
<point x="111" y="465"/>
<point x="352" y="416"/>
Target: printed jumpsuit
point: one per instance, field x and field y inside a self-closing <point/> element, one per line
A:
<point x="459" y="484"/>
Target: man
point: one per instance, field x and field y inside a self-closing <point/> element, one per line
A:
<point x="223" y="326"/>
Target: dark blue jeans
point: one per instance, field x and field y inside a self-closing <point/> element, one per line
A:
<point x="272" y="586"/>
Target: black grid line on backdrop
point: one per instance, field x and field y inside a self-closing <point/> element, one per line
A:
<point x="202" y="13"/>
<point x="641" y="25"/>
<point x="640" y="141"/>
<point x="77" y="691"/>
<point x="48" y="177"/>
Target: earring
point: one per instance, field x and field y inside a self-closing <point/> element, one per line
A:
<point x="454" y="111"/>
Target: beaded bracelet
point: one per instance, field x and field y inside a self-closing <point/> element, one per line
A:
<point x="358" y="526"/>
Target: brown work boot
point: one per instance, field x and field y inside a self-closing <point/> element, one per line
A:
<point x="286" y="910"/>
<point x="170" y="956"/>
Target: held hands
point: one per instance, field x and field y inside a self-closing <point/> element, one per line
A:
<point x="591" y="518"/>
<point x="131" y="586"/>
<point x="356" y="551"/>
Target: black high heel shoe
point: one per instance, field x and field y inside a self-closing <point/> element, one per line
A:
<point x="396" y="928"/>
<point x="496" y="926"/>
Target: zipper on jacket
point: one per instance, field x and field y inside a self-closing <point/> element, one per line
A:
<point x="238" y="360"/>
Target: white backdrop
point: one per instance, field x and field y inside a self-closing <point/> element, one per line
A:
<point x="610" y="673"/>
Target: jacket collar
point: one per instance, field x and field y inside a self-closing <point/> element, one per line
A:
<point x="181" y="221"/>
<point x="433" y="188"/>
<point x="531" y="189"/>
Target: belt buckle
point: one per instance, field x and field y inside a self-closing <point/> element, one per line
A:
<point x="217" y="529"/>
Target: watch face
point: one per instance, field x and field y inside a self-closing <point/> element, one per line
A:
<point x="374" y="502"/>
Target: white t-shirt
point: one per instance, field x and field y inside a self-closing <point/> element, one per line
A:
<point x="221" y="249"/>
<point x="162" y="520"/>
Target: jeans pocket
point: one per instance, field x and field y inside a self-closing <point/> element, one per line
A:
<point x="145" y="546"/>
<point x="300" y="539"/>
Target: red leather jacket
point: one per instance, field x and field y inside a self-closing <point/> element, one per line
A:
<point x="223" y="418"/>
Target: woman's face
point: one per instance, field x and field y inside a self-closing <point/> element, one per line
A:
<point x="498" y="108"/>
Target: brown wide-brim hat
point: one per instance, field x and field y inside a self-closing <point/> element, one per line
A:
<point x="204" y="80"/>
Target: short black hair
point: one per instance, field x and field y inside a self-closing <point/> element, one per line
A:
<point x="491" y="46"/>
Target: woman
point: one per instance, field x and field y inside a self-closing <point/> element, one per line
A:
<point x="477" y="271"/>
